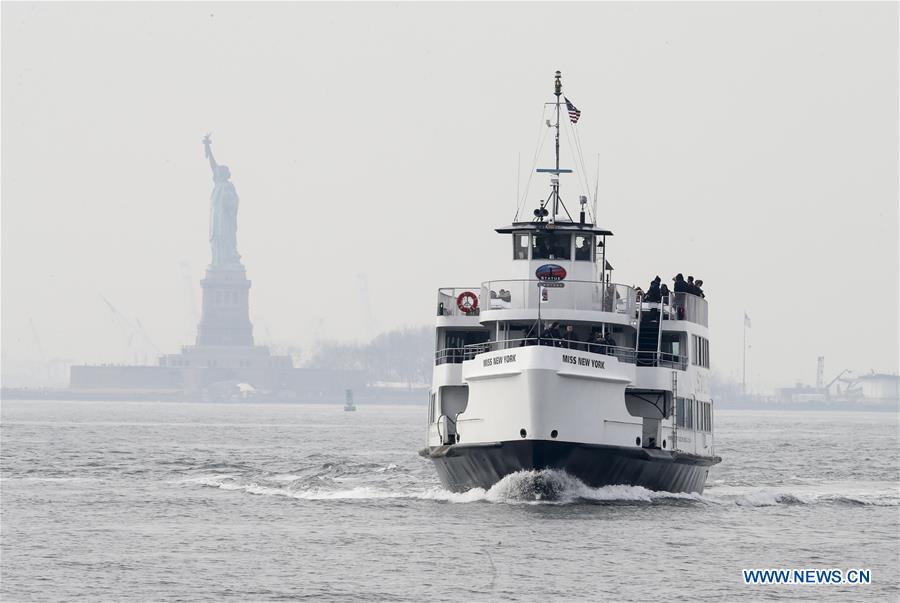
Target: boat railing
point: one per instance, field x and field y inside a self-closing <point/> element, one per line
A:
<point x="662" y="359"/>
<point x="449" y="298"/>
<point x="680" y="306"/>
<point x="526" y="294"/>
<point x="450" y="356"/>
<point x="624" y="354"/>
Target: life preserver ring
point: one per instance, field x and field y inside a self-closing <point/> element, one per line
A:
<point x="467" y="302"/>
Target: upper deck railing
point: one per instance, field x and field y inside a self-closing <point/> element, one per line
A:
<point x="681" y="306"/>
<point x="560" y="295"/>
<point x="594" y="296"/>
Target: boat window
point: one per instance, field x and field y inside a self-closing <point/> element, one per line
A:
<point x="671" y="343"/>
<point x="700" y="351"/>
<point x="458" y="339"/>
<point x="521" y="243"/>
<point x="551" y="246"/>
<point x="453" y="351"/>
<point x="584" y="247"/>
<point x="689" y="414"/>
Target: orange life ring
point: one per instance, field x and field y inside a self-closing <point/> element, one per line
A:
<point x="467" y="302"/>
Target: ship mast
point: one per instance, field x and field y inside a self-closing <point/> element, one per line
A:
<point x="558" y="93"/>
<point x="555" y="171"/>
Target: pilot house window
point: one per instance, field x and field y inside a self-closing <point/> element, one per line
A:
<point x="520" y="246"/>
<point x="584" y="247"/>
<point x="551" y="246"/>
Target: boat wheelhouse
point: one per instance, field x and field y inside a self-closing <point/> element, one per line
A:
<point x="557" y="366"/>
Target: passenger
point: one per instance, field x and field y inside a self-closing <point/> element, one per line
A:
<point x="542" y="248"/>
<point x="664" y="292"/>
<point x="571" y="339"/>
<point x="692" y="286"/>
<point x="638" y="294"/>
<point x="551" y="335"/>
<point x="681" y="285"/>
<point x="653" y="294"/>
<point x="699" y="285"/>
<point x="531" y="336"/>
<point x="582" y="252"/>
<point x="597" y="344"/>
<point x="610" y="343"/>
<point x="556" y="334"/>
<point x="561" y="252"/>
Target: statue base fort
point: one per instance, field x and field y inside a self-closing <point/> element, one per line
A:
<point x="224" y="364"/>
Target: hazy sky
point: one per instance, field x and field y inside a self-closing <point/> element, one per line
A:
<point x="374" y="148"/>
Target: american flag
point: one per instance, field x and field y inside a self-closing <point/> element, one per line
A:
<point x="574" y="113"/>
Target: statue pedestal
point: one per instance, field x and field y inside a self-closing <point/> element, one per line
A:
<point x="224" y="354"/>
<point x="225" y="318"/>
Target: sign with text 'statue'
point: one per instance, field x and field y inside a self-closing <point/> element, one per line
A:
<point x="550" y="272"/>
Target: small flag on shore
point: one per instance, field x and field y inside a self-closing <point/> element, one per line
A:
<point x="574" y="113"/>
<point x="746" y="320"/>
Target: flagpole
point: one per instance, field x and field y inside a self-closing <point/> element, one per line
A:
<point x="744" y="359"/>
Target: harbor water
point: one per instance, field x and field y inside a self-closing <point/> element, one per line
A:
<point x="164" y="501"/>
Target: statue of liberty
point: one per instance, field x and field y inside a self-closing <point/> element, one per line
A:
<point x="223" y="209"/>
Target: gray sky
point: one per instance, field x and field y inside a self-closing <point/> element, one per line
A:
<point x="752" y="145"/>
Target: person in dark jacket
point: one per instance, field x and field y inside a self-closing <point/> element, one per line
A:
<point x="698" y="284"/>
<point x="571" y="339"/>
<point x="681" y="285"/>
<point x="551" y="335"/>
<point x="664" y="291"/>
<point x="652" y="295"/>
<point x="610" y="344"/>
<point x="692" y="288"/>
<point x="597" y="345"/>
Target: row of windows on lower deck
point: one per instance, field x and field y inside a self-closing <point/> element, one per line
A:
<point x="668" y="350"/>
<point x="693" y="414"/>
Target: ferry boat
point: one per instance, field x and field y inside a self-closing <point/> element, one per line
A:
<point x="559" y="367"/>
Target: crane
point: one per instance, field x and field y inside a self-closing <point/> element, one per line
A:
<point x="135" y="335"/>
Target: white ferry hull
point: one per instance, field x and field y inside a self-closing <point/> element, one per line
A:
<point x="461" y="467"/>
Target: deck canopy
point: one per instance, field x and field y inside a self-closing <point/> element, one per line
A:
<point x="558" y="226"/>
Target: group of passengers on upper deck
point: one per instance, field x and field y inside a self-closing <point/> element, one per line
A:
<point x="657" y="291"/>
<point x="553" y="335"/>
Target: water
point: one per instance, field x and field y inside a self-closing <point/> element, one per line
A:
<point x="139" y="501"/>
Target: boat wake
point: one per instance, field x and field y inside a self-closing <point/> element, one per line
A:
<point x="547" y="486"/>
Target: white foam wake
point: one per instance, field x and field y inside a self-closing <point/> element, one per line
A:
<point x="557" y="487"/>
<point x="546" y="486"/>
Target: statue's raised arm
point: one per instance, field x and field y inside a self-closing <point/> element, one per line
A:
<point x="207" y="147"/>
